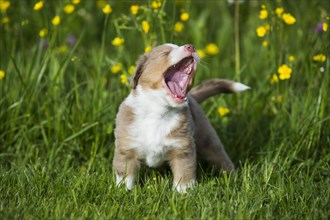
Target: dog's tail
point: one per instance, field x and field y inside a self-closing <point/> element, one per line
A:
<point x="215" y="86"/>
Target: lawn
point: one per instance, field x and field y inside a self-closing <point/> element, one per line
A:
<point x="65" y="68"/>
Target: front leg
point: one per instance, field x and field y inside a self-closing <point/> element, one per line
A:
<point x="183" y="166"/>
<point x="126" y="165"/>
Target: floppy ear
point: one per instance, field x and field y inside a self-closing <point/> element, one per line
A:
<point x="138" y="71"/>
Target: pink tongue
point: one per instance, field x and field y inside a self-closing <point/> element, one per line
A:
<point x="175" y="88"/>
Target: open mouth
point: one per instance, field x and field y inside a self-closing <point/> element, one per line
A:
<point x="178" y="77"/>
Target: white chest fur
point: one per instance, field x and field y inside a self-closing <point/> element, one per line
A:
<point x="152" y="124"/>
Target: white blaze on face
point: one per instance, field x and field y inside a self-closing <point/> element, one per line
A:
<point x="178" y="53"/>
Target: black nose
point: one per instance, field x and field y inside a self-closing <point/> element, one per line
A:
<point x="189" y="47"/>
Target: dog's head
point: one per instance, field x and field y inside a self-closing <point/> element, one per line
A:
<point x="168" y="68"/>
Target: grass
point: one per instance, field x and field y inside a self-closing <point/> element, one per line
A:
<point x="58" y="105"/>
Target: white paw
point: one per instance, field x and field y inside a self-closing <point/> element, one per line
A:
<point x="129" y="181"/>
<point x="182" y="188"/>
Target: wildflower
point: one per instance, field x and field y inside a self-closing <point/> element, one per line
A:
<point x="69" y="8"/>
<point x="62" y="49"/>
<point x="131" y="69"/>
<point x="123" y="79"/>
<point x="274" y="79"/>
<point x="263" y="14"/>
<point x="212" y="49"/>
<point x="118" y="41"/>
<point x="147" y="49"/>
<point x="264" y="43"/>
<point x="56" y="20"/>
<point x="325" y="26"/>
<point x="319" y="28"/>
<point x="291" y="58"/>
<point x="116" y="68"/>
<point x="184" y="16"/>
<point x="134" y="9"/>
<point x="43" y="32"/>
<point x="145" y="26"/>
<point x="107" y="9"/>
<point x="156" y="4"/>
<point x="279" y="11"/>
<point x="71" y="40"/>
<point x="319" y="58"/>
<point x="284" y="72"/>
<point x="288" y="18"/>
<point x="5" y="20"/>
<point x="223" y="111"/>
<point x="178" y="27"/>
<point x="201" y="54"/>
<point x="75" y="2"/>
<point x="261" y="31"/>
<point x="4" y="5"/>
<point x="38" y="6"/>
<point x="2" y="74"/>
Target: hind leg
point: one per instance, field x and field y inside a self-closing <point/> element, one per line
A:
<point x="208" y="144"/>
<point x="210" y="148"/>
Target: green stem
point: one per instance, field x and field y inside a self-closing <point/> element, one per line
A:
<point x="237" y="41"/>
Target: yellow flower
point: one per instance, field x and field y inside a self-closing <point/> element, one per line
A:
<point x="69" y="8"/>
<point x="265" y="43"/>
<point x="123" y="79"/>
<point x="2" y="74"/>
<point x="145" y="26"/>
<point x="131" y="69"/>
<point x="223" y="111"/>
<point x="43" y="32"/>
<point x="118" y="41"/>
<point x="184" y="16"/>
<point x="75" y="2"/>
<point x="284" y="72"/>
<point x="288" y="18"/>
<point x="201" y="54"/>
<point x="320" y="58"/>
<point x="116" y="68"/>
<point x="107" y="9"/>
<point x="279" y="11"/>
<point x="212" y="49"/>
<point x="291" y="58"/>
<point x="39" y="5"/>
<point x="274" y="79"/>
<point x="134" y="9"/>
<point x="178" y="27"/>
<point x="5" y="20"/>
<point x="325" y="26"/>
<point x="4" y="5"/>
<point x="156" y="4"/>
<point x="261" y="31"/>
<point x="62" y="49"/>
<point x="147" y="49"/>
<point x="56" y="20"/>
<point x="263" y="14"/>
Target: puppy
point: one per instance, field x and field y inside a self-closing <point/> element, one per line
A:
<point x="160" y="122"/>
